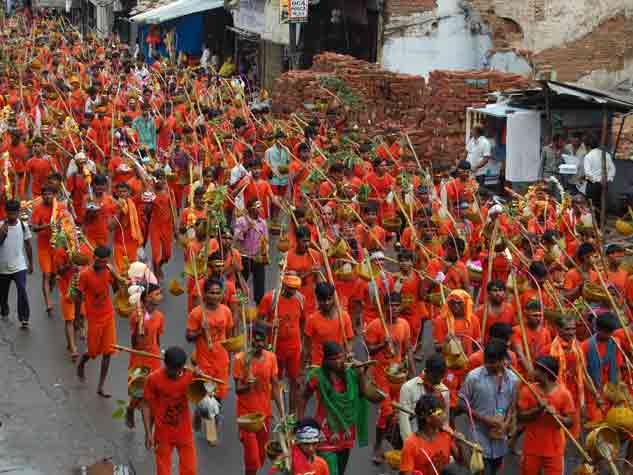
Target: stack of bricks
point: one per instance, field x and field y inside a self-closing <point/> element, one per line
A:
<point x="433" y="115"/>
<point x="383" y="95"/>
<point x="450" y="93"/>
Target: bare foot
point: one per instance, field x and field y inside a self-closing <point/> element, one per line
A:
<point x="103" y="394"/>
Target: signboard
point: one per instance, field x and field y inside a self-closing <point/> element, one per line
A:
<point x="293" y="11"/>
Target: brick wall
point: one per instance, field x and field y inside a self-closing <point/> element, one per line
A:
<point x="406" y="7"/>
<point x="550" y="23"/>
<point x="605" y="48"/>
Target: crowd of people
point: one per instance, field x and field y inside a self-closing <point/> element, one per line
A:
<point x="111" y="164"/>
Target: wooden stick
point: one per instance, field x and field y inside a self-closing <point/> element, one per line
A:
<point x="491" y="256"/>
<point x="147" y="354"/>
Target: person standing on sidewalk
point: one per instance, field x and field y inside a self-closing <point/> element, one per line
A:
<point x="16" y="260"/>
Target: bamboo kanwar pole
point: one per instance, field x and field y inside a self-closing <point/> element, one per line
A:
<point x="147" y="354"/>
<point x="491" y="256"/>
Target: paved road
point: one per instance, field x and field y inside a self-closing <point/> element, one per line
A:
<point x="52" y="423"/>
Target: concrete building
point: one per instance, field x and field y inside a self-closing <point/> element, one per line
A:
<point x="589" y="41"/>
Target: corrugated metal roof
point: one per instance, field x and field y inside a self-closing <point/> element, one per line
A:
<point x="165" y="10"/>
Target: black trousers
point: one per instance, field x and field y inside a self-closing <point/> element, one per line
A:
<point x="23" y="299"/>
<point x="594" y="193"/>
<point x="259" y="277"/>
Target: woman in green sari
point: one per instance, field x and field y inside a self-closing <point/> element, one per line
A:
<point x="341" y="409"/>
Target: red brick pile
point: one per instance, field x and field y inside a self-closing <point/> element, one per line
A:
<point x="433" y="114"/>
<point x="450" y="93"/>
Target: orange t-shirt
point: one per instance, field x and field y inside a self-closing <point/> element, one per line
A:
<point x="96" y="230"/>
<point x="418" y="450"/>
<point x="369" y="238"/>
<point x="533" y="294"/>
<point x="39" y="169"/>
<point x="220" y="321"/>
<point x="465" y="330"/>
<point x="42" y="215"/>
<point x="320" y="329"/>
<point x="262" y="191"/>
<point x="95" y="288"/>
<point x="259" y="397"/>
<point x="167" y="399"/>
<point x="543" y="436"/>
<point x="506" y="314"/>
<point x="400" y="332"/>
<point x="573" y="279"/>
<point x="455" y="274"/>
<point x="368" y="299"/>
<point x="161" y="211"/>
<point x="153" y="328"/>
<point x="18" y="154"/>
<point x="538" y="340"/>
<point x="290" y="315"/>
<point x="617" y="278"/>
<point x="302" y="265"/>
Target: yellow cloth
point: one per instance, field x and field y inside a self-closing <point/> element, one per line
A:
<point x="137" y="235"/>
<point x="557" y="350"/>
<point x="446" y="313"/>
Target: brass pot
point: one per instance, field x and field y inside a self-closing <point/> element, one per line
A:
<point x="251" y="422"/>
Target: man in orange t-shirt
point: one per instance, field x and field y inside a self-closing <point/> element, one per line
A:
<point x="210" y="356"/>
<point x="429" y="449"/>
<point x="94" y="290"/>
<point x="326" y="324"/>
<point x="147" y="324"/>
<point x="166" y="415"/>
<point x="389" y="347"/>
<point x="604" y="362"/>
<point x="283" y="311"/>
<point x="409" y="285"/>
<point x="537" y="335"/>
<point x="544" y="442"/>
<point x="306" y="263"/>
<point x="161" y="223"/>
<point x="256" y="385"/>
<point x="128" y="235"/>
<point x="41" y="224"/>
<point x="38" y="168"/>
<point x="575" y="278"/>
<point x="499" y="309"/>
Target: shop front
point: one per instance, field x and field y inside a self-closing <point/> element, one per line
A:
<point x="342" y="26"/>
<point x="261" y="42"/>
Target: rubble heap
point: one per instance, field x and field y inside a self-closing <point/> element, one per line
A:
<point x="433" y="114"/>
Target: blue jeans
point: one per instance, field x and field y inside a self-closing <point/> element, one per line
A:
<point x="23" y="300"/>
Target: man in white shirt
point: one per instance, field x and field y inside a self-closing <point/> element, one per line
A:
<point x="593" y="173"/>
<point x="480" y="155"/>
<point x="576" y="148"/>
<point x="16" y="260"/>
<point x="430" y="382"/>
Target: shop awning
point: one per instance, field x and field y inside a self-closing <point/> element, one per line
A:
<point x="569" y="96"/>
<point x="176" y="9"/>
<point x="496" y="110"/>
